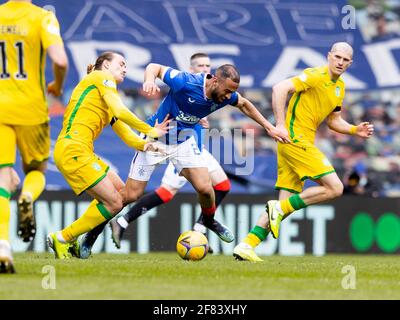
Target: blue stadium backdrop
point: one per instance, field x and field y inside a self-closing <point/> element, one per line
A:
<point x="268" y="41"/>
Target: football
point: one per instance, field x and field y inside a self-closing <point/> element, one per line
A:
<point x="192" y="245"/>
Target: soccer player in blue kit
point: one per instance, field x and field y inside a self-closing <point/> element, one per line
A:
<point x="171" y="182"/>
<point x="191" y="98"/>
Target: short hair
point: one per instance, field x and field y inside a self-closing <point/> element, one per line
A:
<point x="228" y="71"/>
<point x="108" y="55"/>
<point x="198" y="55"/>
<point x="342" y="46"/>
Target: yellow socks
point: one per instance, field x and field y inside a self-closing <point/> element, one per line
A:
<point x="34" y="184"/>
<point x="4" y="214"/>
<point x="256" y="236"/>
<point x="286" y="206"/>
<point x="291" y="204"/>
<point x="95" y="214"/>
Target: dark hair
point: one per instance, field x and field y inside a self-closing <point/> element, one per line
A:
<point x="108" y="55"/>
<point x="198" y="55"/>
<point x="228" y="71"/>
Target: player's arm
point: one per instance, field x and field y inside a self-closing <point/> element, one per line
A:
<point x="59" y="58"/>
<point x="52" y="43"/>
<point x="251" y="111"/>
<point x="152" y="72"/>
<point x="120" y="111"/>
<point x="338" y="124"/>
<point x="126" y="134"/>
<point x="280" y="93"/>
<point x="129" y="137"/>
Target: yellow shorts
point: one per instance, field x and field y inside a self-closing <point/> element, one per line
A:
<point x="79" y="165"/>
<point x="33" y="143"/>
<point x="298" y="162"/>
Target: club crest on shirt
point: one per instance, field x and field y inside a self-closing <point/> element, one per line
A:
<point x="214" y="106"/>
<point x="51" y="25"/>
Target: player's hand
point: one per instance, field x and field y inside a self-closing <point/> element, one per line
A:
<point x="54" y="89"/>
<point x="163" y="127"/>
<point x="204" y="123"/>
<point x="150" y="88"/>
<point x="365" y="130"/>
<point x="152" y="146"/>
<point x="280" y="134"/>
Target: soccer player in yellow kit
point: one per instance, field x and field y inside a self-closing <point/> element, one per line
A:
<point x="27" y="33"/>
<point x="94" y="104"/>
<point x="318" y="93"/>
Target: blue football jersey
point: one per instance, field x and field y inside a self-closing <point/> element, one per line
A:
<point x="186" y="103"/>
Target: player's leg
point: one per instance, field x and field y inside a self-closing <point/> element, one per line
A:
<point x="6" y="185"/>
<point x="139" y="174"/>
<point x="221" y="186"/>
<point x="245" y="249"/>
<point x="307" y="163"/>
<point x="170" y="184"/>
<point x="145" y="203"/>
<point x="189" y="162"/>
<point x="34" y="145"/>
<point x="107" y="202"/>
<point x="293" y="163"/>
<point x="288" y="182"/>
<point x="201" y="182"/>
<point x="330" y="187"/>
<point x="89" y="238"/>
<point x="8" y="182"/>
<point x="85" y="172"/>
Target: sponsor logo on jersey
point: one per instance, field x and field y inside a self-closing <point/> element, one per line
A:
<point x="109" y="83"/>
<point x="187" y="118"/>
<point x="337" y="91"/>
<point x="191" y="100"/>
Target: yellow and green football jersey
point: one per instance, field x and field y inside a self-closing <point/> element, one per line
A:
<point x="315" y="98"/>
<point x="87" y="113"/>
<point x="26" y="31"/>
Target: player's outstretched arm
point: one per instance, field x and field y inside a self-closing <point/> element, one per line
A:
<point x="60" y="65"/>
<point x="152" y="72"/>
<point x="127" y="135"/>
<point x="131" y="138"/>
<point x="338" y="124"/>
<point x="251" y="111"/>
<point x="121" y="112"/>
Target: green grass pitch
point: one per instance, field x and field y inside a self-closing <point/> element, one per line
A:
<point x="161" y="276"/>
